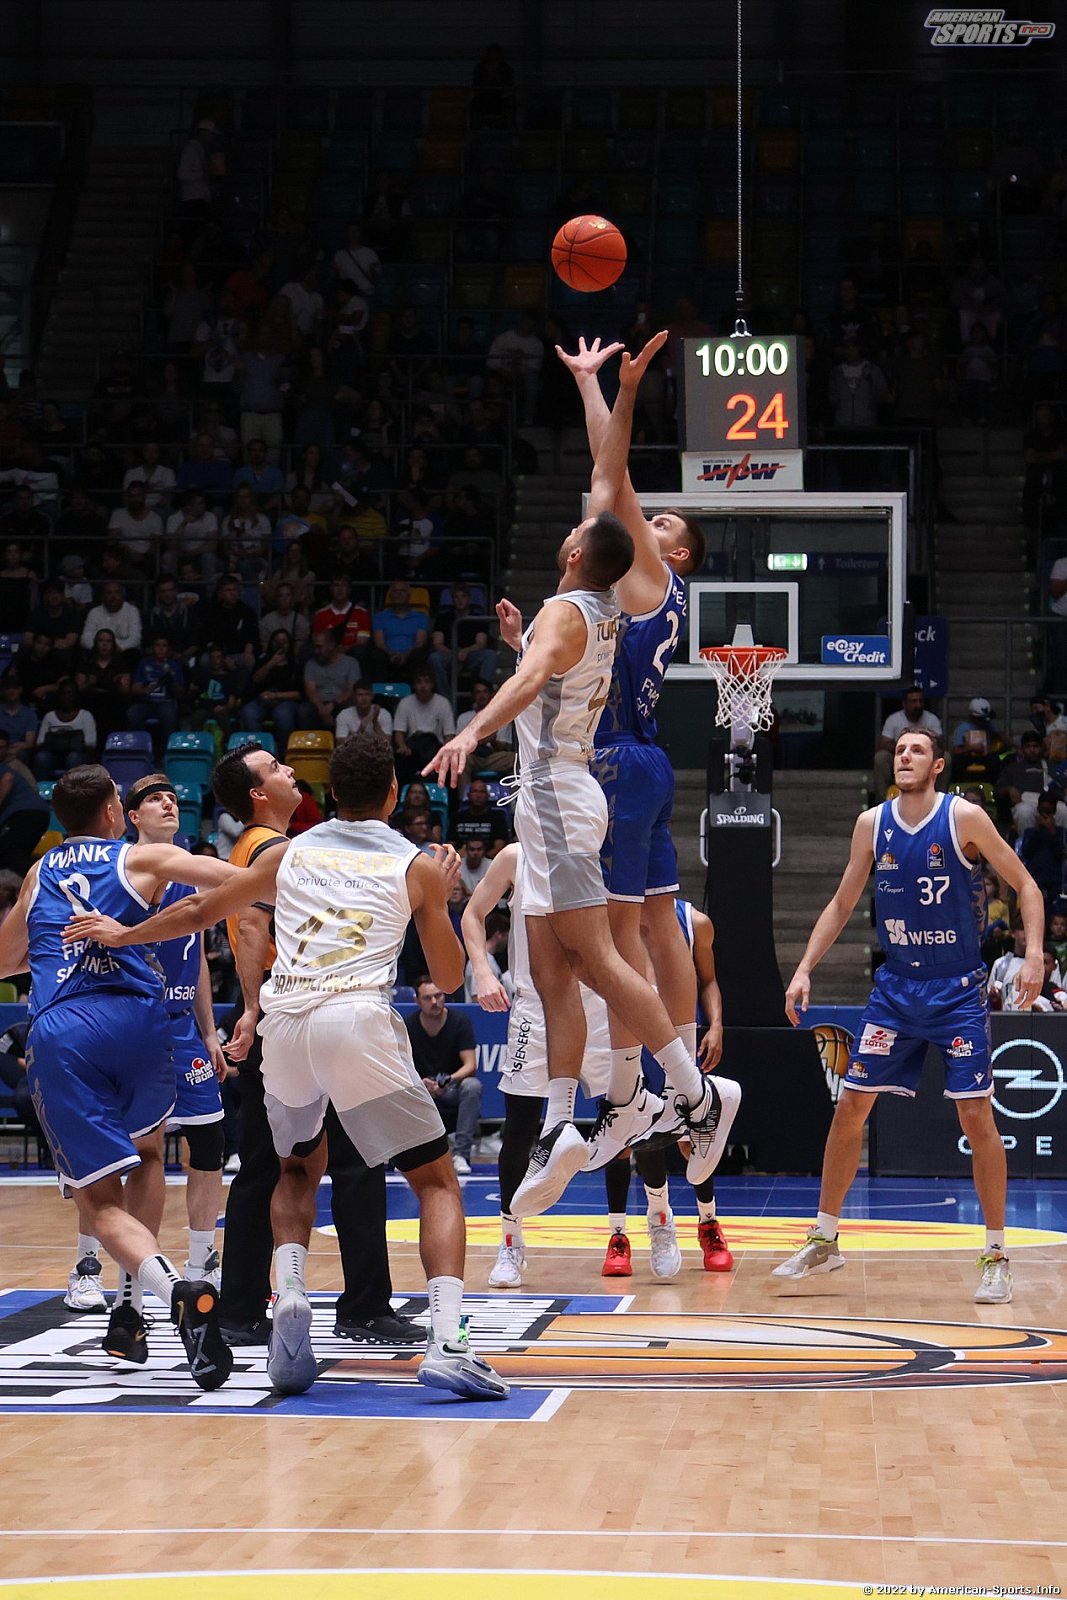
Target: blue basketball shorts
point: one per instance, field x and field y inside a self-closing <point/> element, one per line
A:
<point x="101" y="1074"/>
<point x="197" y="1097"/>
<point x="904" y="1016"/>
<point x="637" y="857"/>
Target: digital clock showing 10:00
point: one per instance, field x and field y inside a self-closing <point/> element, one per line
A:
<point x="741" y="393"/>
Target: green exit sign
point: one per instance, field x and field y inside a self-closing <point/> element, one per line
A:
<point x="785" y="561"/>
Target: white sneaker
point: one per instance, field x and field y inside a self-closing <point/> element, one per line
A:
<point x="557" y="1156"/>
<point x="509" y="1265"/>
<point x="663" y="1241"/>
<point x="210" y="1272"/>
<point x="461" y="1164"/>
<point x="233" y="1163"/>
<point x="709" y="1129"/>
<point x="618" y="1127"/>
<point x="995" y="1286"/>
<point x="816" y="1254"/>
<point x="291" y="1364"/>
<point x="456" y="1368"/>
<point x="85" y="1286"/>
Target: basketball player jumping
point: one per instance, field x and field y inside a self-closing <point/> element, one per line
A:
<point x="929" y="899"/>
<point x="556" y="697"/>
<point x="343" y="894"/>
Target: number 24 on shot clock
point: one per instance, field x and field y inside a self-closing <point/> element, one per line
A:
<point x="742" y="394"/>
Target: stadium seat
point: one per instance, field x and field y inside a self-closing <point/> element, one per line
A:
<point x="50" y="837"/>
<point x="354" y="111"/>
<point x="447" y="108"/>
<point x="874" y="194"/>
<point x="190" y="807"/>
<point x="922" y="196"/>
<point x="635" y="152"/>
<point x="129" y="743"/>
<point x="685" y="107"/>
<point x="403" y="995"/>
<point x="264" y="738"/>
<point x="403" y="107"/>
<point x="778" y="152"/>
<point x="522" y="285"/>
<point x="8" y="994"/>
<point x="591" y="109"/>
<point x="308" y="753"/>
<point x="779" y="108"/>
<point x="637" y="109"/>
<point x="442" y="152"/>
<point x="390" y="693"/>
<point x="347" y="152"/>
<point x="397" y="152"/>
<point x="189" y="759"/>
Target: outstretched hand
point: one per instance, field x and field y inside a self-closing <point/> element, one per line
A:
<point x="94" y="927"/>
<point x="510" y="618"/>
<point x="797" y="996"/>
<point x="633" y="368"/>
<point x="590" y="358"/>
<point x="449" y="764"/>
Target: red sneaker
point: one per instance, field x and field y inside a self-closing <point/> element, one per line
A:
<point x="617" y="1260"/>
<point x="717" y="1257"/>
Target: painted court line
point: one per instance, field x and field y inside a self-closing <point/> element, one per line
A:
<point x="430" y="1572"/>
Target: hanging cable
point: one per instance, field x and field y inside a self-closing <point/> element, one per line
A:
<point x="740" y="326"/>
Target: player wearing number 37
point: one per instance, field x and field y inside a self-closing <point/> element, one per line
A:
<point x="929" y="900"/>
<point x="343" y="894"/>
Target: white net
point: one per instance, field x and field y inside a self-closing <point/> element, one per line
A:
<point x="744" y="675"/>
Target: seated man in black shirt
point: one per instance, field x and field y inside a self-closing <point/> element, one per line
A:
<point x="445" y="1056"/>
<point x="56" y="617"/>
<point x="477" y="818"/>
<point x="475" y="649"/>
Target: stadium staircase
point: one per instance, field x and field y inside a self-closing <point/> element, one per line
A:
<point x="98" y="307"/>
<point x="981" y="569"/>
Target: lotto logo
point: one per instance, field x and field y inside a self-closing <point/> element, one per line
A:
<point x="896" y="931"/>
<point x="876" y="1041"/>
<point x="960" y="1048"/>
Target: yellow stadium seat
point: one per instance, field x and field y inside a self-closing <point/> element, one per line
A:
<point x="320" y="739"/>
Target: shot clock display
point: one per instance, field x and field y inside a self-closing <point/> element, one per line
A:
<point x="742" y="394"/>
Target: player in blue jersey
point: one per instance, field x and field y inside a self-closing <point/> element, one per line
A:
<point x="199" y="1068"/>
<point x="99" y="1055"/>
<point x="638" y="856"/>
<point x="929" y="898"/>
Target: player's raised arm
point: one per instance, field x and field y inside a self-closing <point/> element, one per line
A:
<point x="557" y="645"/>
<point x="14" y="935"/>
<point x="834" y="915"/>
<point x="169" y="863"/>
<point x="430" y="878"/>
<point x="243" y="887"/>
<point x="489" y="991"/>
<point x="975" y="827"/>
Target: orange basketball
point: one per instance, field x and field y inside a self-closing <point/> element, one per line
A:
<point x="589" y="253"/>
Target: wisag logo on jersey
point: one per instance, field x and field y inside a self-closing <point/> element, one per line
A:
<point x="983" y="30"/>
<point x="898" y="932"/>
<point x="855" y="650"/>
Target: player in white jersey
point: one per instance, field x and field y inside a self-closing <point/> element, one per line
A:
<point x="555" y="699"/>
<point x="344" y="893"/>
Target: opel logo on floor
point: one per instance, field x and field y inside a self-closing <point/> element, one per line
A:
<point x="1031" y="1088"/>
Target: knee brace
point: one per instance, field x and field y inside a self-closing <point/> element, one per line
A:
<point x="206" y="1143"/>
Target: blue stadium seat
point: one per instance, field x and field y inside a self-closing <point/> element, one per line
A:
<point x="347" y="152"/>
<point x="592" y="109"/>
<point x="777" y="199"/>
<point x="128" y="743"/>
<point x="922" y="196"/>
<point x="397" y="152"/>
<point x="779" y="108"/>
<point x="354" y="110"/>
<point x="190" y="808"/>
<point x="873" y="150"/>
<point x="265" y="738"/>
<point x="403" y="995"/>
<point x="126" y="767"/>
<point x="825" y="152"/>
<point x="189" y="759"/>
<point x="635" y="152"/>
<point x="874" y="194"/>
<point x="968" y="195"/>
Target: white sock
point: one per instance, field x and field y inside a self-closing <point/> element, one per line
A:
<point x="158" y="1276"/>
<point x="289" y="1262"/>
<point x="617" y="1220"/>
<point x="130" y="1292"/>
<point x="659" y="1200"/>
<point x="681" y="1073"/>
<point x="625" y="1076"/>
<point x="201" y="1245"/>
<point x="446" y="1308"/>
<point x="687" y="1032"/>
<point x="510" y="1229"/>
<point x="562" y="1093"/>
<point x="994" y="1239"/>
<point x="827" y="1225"/>
<point x="87" y="1246"/>
<point x="706" y="1210"/>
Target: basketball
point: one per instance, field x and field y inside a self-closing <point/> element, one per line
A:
<point x="589" y="253"/>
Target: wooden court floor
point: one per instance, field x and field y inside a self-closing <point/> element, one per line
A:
<point x="693" y="1447"/>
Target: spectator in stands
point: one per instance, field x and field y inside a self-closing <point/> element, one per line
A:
<point x="278" y="690"/>
<point x="857" y="389"/>
<point x="978" y="296"/>
<point x="13" y="1071"/>
<point x="400" y="633"/>
<point x="364" y="476"/>
<point x="478" y="818"/>
<point x="329" y="677"/>
<point x="364" y="714"/>
<point x="18" y="585"/>
<point x="378" y="427"/>
<point x="223" y="438"/>
<point x="76" y="587"/>
<point x="497" y="753"/>
<point x="67" y="736"/>
<point x="81" y="524"/>
<point x="56" y="617"/>
<point x="174" y="616"/>
<point x="308" y="473"/>
<point x="1043" y="849"/>
<point x="303" y="296"/>
<point x="295" y="572"/>
<point x="157" y="477"/>
<point x="115" y="613"/>
<point x="195" y="175"/>
<point x="357" y="264"/>
<point x="474" y="473"/>
<point x="1047" y="717"/>
<point x="473" y="865"/>
<point x="343" y="614"/>
<point x="1056" y="936"/>
<point x="203" y="470"/>
<point x="475" y="652"/>
<point x="422" y="723"/>
<point x="40" y="667"/>
<point x="1045" y="456"/>
<point x="262" y="477"/>
<point x="445" y="1055"/>
<point x="23" y="812"/>
<point x="418" y="828"/>
<point x="917" y="381"/>
<point x="217" y="342"/>
<point x="184" y="309"/>
<point x="464" y="362"/>
<point x="134" y="525"/>
<point x="300" y="523"/>
<point x="1002" y="974"/>
<point x="103" y="680"/>
<point x="518" y="355"/>
<point x="17" y="720"/>
<point x="977" y="368"/>
<point x="976" y="745"/>
<point x="192" y="535"/>
<point x="1021" y="782"/>
<point x="246" y="537"/>
<point x="912" y="714"/>
<point x="24" y="522"/>
<point x="216" y="690"/>
<point x="264" y="374"/>
<point x="316" y="394"/>
<point x="157" y="687"/>
<point x="284" y="615"/>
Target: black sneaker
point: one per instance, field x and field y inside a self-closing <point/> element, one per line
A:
<point x="386" y="1329"/>
<point x="126" y="1336"/>
<point x="245" y="1333"/>
<point x="194" y="1312"/>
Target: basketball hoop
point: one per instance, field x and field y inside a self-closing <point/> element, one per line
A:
<point x="744" y="675"/>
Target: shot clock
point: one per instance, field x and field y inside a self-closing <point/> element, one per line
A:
<point x="742" y="395"/>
